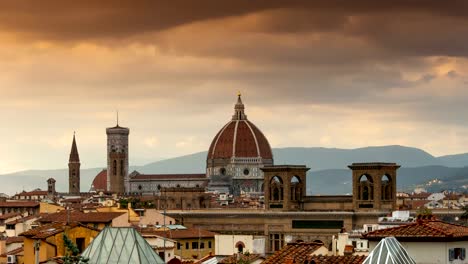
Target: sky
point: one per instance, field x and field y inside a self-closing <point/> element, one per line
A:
<point x="342" y="74"/>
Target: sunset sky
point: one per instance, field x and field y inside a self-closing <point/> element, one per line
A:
<point x="341" y="74"/>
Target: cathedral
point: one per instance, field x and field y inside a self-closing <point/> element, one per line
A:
<point x="233" y="165"/>
<point x="236" y="156"/>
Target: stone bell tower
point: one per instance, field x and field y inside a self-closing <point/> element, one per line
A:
<point x="117" y="159"/>
<point x="374" y="186"/>
<point x="74" y="170"/>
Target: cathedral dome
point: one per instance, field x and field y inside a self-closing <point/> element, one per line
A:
<point x="239" y="138"/>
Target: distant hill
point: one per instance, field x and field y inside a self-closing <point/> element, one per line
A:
<point x="339" y="181"/>
<point x="329" y="172"/>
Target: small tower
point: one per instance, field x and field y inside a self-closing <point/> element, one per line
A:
<point x="51" y="188"/>
<point x="117" y="159"/>
<point x="74" y="170"/>
<point x="374" y="186"/>
<point x="284" y="187"/>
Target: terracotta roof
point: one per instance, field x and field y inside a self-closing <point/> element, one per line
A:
<point x="21" y="220"/>
<point x="239" y="138"/>
<point x="14" y="252"/>
<point x="422" y="230"/>
<point x="416" y="204"/>
<point x="321" y="259"/>
<point x="169" y="176"/>
<point x="75" y="216"/>
<point x="422" y="195"/>
<point x="297" y="251"/>
<point x="181" y="233"/>
<point x="100" y="181"/>
<point x="9" y="215"/>
<point x="247" y="137"/>
<point x="11" y="240"/>
<point x="31" y="193"/>
<point x="237" y="258"/>
<point x="19" y="204"/>
<point x="205" y="258"/>
<point x="52" y="229"/>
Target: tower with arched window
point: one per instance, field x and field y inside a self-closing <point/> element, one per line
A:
<point x="374" y="185"/>
<point x="117" y="159"/>
<point x="284" y="186"/>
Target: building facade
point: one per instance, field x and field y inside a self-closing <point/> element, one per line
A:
<point x="237" y="154"/>
<point x="117" y="159"/>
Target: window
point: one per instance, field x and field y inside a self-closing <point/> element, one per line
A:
<point x="354" y="244"/>
<point x="122" y="167"/>
<point x="276" y="242"/>
<point x="369" y="229"/>
<point x="202" y="245"/>
<point x="114" y="168"/>
<point x="246" y="171"/>
<point x="194" y="245"/>
<point x="187" y="245"/>
<point x="178" y="245"/>
<point x="209" y="244"/>
<point x="457" y="253"/>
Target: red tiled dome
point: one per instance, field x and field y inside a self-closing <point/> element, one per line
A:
<point x="240" y="138"/>
<point x="100" y="181"/>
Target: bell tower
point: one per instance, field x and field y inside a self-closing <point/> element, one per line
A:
<point x="117" y="159"/>
<point x="74" y="170"/>
<point x="374" y="186"/>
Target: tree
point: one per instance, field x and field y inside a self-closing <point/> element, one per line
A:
<point x="72" y="253"/>
<point x="424" y="211"/>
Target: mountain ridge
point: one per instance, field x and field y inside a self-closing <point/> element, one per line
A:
<point x="322" y="161"/>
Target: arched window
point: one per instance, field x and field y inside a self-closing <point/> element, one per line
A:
<point x="386" y="188"/>
<point x="114" y="168"/>
<point x="240" y="246"/>
<point x="276" y="189"/>
<point x="296" y="189"/>
<point x="365" y="188"/>
<point x="122" y="168"/>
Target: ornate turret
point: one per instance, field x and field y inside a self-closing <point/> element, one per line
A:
<point x="74" y="169"/>
<point x="239" y="109"/>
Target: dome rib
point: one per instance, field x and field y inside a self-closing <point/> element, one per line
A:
<point x="239" y="138"/>
<point x="255" y="138"/>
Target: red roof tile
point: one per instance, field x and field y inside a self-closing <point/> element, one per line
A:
<point x="169" y="176"/>
<point x="297" y="251"/>
<point x="14" y="252"/>
<point x="422" y="230"/>
<point x="75" y="216"/>
<point x="9" y="215"/>
<point x="11" y="240"/>
<point x="19" y="204"/>
<point x="52" y="229"/>
<point x="321" y="259"/>
<point x="31" y="193"/>
<point x="240" y="258"/>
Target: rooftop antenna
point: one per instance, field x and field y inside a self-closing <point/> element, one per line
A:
<point x="117" y="117"/>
